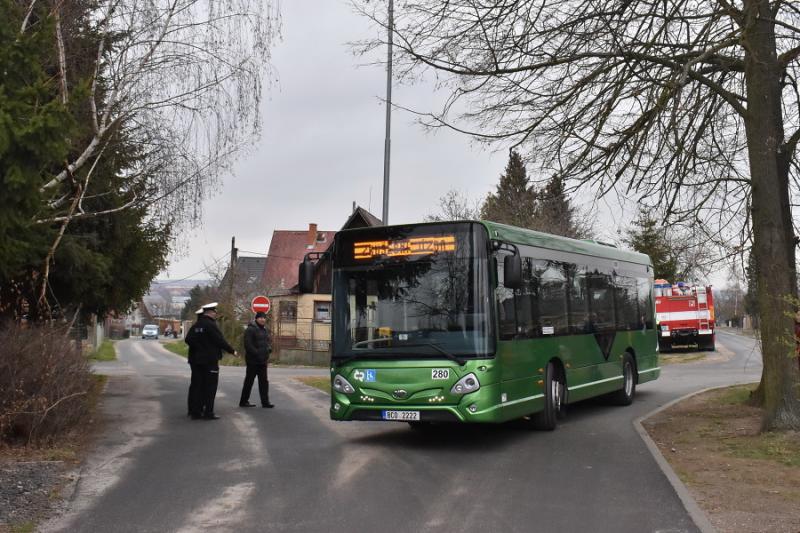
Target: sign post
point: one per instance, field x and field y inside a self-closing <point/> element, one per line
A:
<point x="260" y="304"/>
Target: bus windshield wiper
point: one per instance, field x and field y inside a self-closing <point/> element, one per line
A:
<point x="435" y="346"/>
<point x="370" y="341"/>
<point x="438" y="348"/>
<point x="343" y="360"/>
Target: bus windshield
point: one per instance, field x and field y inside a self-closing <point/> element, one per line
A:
<point x="420" y="291"/>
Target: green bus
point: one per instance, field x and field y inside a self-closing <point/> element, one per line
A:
<point x="482" y="322"/>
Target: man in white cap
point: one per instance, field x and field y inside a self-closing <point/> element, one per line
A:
<point x="206" y="344"/>
<point x="193" y="382"/>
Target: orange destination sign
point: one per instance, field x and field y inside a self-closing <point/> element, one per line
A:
<point x="404" y="247"/>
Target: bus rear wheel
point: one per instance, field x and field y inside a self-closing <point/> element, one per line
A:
<point x="624" y="396"/>
<point x="554" y="398"/>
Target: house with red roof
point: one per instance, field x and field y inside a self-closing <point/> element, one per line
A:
<point x="301" y="322"/>
<point x="286" y="251"/>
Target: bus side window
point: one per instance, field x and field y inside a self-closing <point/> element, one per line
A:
<point x="601" y="300"/>
<point x="506" y="312"/>
<point x="553" y="298"/>
<point x="527" y="308"/>
<point x="579" y="318"/>
<point x="626" y="303"/>
<point x="645" y="307"/>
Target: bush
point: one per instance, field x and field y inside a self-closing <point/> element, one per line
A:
<point x="44" y="384"/>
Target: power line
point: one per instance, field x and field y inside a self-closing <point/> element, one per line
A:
<point x="205" y="269"/>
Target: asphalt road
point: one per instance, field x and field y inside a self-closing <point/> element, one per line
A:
<point x="292" y="469"/>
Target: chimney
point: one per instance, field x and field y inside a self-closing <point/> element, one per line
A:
<point x="312" y="235"/>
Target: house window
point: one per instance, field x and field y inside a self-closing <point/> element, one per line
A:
<point x="288" y="310"/>
<point x="322" y="311"/>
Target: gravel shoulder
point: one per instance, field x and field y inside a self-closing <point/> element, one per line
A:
<point x="34" y="480"/>
<point x="29" y="491"/>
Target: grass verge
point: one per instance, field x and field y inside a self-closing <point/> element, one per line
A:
<point x="321" y="383"/>
<point x="679" y="358"/>
<point x="178" y="348"/>
<point x="229" y="360"/>
<point x="744" y="480"/>
<point x="106" y="352"/>
<point x="182" y="349"/>
<point x="26" y="527"/>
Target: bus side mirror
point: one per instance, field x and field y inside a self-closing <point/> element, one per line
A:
<point x="512" y="272"/>
<point x="306" y="276"/>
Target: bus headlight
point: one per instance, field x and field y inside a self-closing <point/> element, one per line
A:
<point x="467" y="384"/>
<point x="342" y="385"/>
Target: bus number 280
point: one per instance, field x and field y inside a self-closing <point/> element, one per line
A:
<point x="440" y="373"/>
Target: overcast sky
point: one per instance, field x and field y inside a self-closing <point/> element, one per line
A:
<point x="322" y="147"/>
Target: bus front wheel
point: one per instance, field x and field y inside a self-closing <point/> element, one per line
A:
<point x="554" y="397"/>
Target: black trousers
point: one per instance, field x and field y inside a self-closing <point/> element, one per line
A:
<point x="203" y="389"/>
<point x="263" y="384"/>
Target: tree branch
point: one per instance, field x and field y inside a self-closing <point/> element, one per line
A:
<point x="27" y="17"/>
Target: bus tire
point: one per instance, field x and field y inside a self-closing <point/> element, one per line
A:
<point x="625" y="395"/>
<point x="554" y="396"/>
<point x="664" y="346"/>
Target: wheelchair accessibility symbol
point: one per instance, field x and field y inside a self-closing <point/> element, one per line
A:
<point x="367" y="376"/>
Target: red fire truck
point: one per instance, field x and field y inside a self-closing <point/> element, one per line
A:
<point x="685" y="315"/>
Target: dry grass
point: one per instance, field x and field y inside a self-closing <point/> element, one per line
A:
<point x="321" y="383"/>
<point x="106" y="352"/>
<point x="46" y="384"/>
<point x="743" y="479"/>
<point x="45" y="466"/>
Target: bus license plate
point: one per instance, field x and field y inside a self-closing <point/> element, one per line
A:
<point x="401" y="416"/>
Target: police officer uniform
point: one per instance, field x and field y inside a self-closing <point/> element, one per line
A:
<point x="206" y="344"/>
<point x="193" y="382"/>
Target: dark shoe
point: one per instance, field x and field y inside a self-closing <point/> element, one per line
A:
<point x="247" y="404"/>
<point x="196" y="417"/>
<point x="210" y="416"/>
<point x="268" y="406"/>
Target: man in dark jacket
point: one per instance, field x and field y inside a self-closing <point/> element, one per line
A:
<point x="193" y="383"/>
<point x="206" y="344"/>
<point x="257" y="347"/>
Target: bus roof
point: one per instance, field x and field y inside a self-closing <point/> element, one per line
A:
<point x="539" y="239"/>
<point x="516" y="235"/>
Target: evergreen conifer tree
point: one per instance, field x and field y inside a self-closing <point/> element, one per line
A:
<point x="648" y="237"/>
<point x="514" y="201"/>
<point x="555" y="213"/>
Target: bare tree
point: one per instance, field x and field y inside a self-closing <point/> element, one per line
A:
<point x="455" y="205"/>
<point x="691" y="106"/>
<point x="182" y="79"/>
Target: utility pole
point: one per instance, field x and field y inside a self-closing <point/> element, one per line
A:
<point x="232" y="272"/>
<point x="387" y="147"/>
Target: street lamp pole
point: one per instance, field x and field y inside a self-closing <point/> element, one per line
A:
<point x="388" y="143"/>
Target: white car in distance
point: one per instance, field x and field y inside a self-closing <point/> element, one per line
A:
<point x="150" y="332"/>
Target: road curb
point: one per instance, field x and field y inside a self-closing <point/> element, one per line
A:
<point x="698" y="516"/>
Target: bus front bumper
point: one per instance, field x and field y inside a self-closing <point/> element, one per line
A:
<point x="479" y="406"/>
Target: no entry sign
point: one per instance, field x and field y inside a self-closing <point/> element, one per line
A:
<point x="260" y="304"/>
